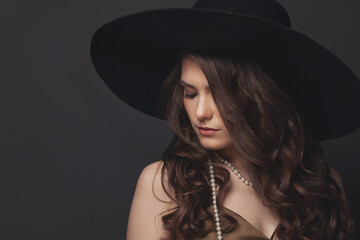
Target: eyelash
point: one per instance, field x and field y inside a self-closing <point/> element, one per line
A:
<point x="190" y="95"/>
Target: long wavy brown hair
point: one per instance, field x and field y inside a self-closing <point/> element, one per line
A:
<point x="269" y="130"/>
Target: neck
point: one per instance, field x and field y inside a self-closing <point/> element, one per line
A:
<point x="237" y="160"/>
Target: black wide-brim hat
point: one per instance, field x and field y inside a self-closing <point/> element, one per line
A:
<point x="135" y="53"/>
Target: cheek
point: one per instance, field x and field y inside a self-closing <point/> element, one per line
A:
<point x="188" y="108"/>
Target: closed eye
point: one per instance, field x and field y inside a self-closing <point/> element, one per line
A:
<point x="187" y="95"/>
<point x="192" y="95"/>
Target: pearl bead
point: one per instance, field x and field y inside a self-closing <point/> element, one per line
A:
<point x="213" y="189"/>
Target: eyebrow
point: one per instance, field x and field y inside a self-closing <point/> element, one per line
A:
<point x="189" y="85"/>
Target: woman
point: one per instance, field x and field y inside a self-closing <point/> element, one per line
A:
<point x="286" y="177"/>
<point x="247" y="98"/>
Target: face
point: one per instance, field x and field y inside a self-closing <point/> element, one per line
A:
<point x="201" y="108"/>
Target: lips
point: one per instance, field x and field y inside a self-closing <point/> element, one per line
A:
<point x="208" y="129"/>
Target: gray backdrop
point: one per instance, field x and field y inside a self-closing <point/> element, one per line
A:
<point x="70" y="151"/>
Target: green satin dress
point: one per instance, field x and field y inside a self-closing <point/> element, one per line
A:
<point x="244" y="230"/>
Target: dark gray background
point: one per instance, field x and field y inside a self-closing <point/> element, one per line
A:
<point x="71" y="152"/>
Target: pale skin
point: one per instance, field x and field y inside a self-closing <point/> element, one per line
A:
<point x="147" y="207"/>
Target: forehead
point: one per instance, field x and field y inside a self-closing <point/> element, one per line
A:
<point x="191" y="73"/>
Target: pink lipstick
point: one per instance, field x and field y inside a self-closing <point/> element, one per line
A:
<point x="207" y="131"/>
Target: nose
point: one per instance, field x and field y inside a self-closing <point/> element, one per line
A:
<point x="204" y="108"/>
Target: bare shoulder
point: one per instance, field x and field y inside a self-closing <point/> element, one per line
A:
<point x="149" y="203"/>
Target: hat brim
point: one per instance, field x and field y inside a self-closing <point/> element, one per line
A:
<point x="134" y="54"/>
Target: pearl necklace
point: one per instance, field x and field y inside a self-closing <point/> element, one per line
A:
<point x="213" y="189"/>
<point x="241" y="177"/>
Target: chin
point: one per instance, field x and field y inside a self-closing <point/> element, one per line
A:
<point x="212" y="145"/>
<point x="215" y="144"/>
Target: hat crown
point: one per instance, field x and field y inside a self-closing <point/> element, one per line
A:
<point x="268" y="9"/>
